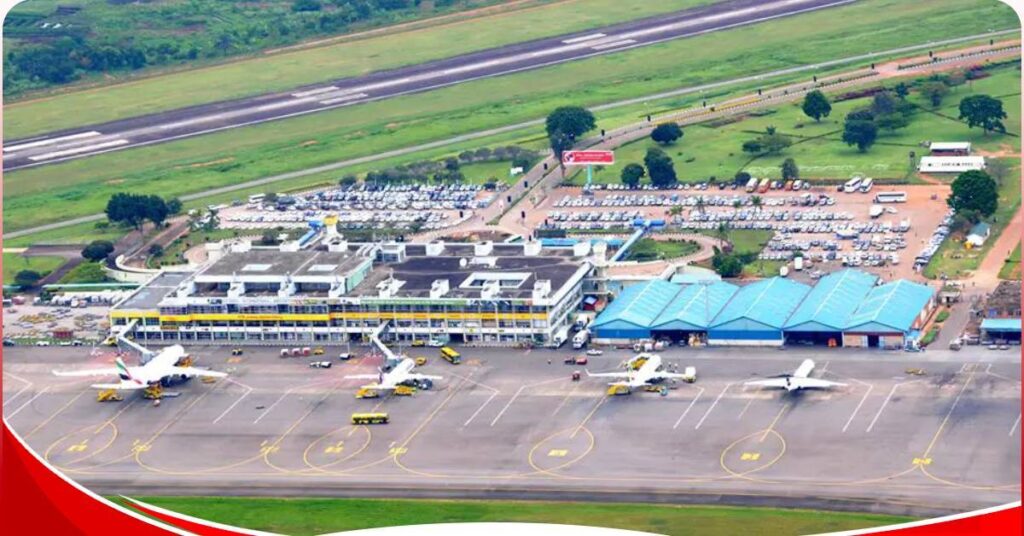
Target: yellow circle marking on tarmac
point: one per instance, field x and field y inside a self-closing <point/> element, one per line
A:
<point x="760" y="467"/>
<point x="967" y="486"/>
<point x="551" y="470"/>
<point x="92" y="452"/>
<point x="367" y="435"/>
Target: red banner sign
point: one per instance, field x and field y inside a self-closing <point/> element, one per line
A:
<point x="586" y="158"/>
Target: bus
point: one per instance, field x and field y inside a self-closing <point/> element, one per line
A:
<point x="866" y="184"/>
<point x="450" y="355"/>
<point x="752" y="185"/>
<point x="891" y="197"/>
<point x="369" y="418"/>
<point x="851" y="185"/>
<point x="765" y="184"/>
<point x="255" y="199"/>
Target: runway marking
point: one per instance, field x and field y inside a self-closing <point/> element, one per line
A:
<point x="51" y="141"/>
<point x="344" y="98"/>
<point x="80" y="150"/>
<point x="749" y="402"/>
<point x="750" y="456"/>
<point x="771" y="427"/>
<point x="942" y="426"/>
<point x="478" y="410"/>
<point x="884" y="404"/>
<point x="510" y="401"/>
<point x="713" y="404"/>
<point x="232" y="406"/>
<point x="583" y="38"/>
<point x="316" y="91"/>
<point x="22" y="390"/>
<point x="286" y="393"/>
<point x="78" y="447"/>
<point x="688" y="408"/>
<point x="600" y="402"/>
<point x="51" y="417"/>
<point x="606" y="46"/>
<point x="29" y="401"/>
<point x="565" y="399"/>
<point x="558" y="453"/>
<point x="1016" y="423"/>
<point x="856" y="409"/>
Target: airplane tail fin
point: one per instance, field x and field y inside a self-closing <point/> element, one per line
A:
<point x="122" y="369"/>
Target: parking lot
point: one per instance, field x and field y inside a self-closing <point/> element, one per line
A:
<point x="512" y="420"/>
<point x="827" y="226"/>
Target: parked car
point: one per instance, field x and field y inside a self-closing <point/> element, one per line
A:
<point x="345" y="356"/>
<point x="320" y="364"/>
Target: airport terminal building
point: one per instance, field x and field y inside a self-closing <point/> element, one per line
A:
<point x="482" y="293"/>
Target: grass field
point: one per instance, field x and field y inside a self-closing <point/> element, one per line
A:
<point x="83" y="186"/>
<point x="953" y="260"/>
<point x="15" y="262"/>
<point x="649" y="249"/>
<point x="86" y="272"/>
<point x="81" y="233"/>
<point x="714" y="151"/>
<point x="317" y="516"/>
<point x="1011" y="268"/>
<point x="279" y="72"/>
<point x="174" y="252"/>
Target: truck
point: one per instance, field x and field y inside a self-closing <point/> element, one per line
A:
<point x="559" y="338"/>
<point x="798" y="264"/>
<point x="765" y="185"/>
<point x="648" y="346"/>
<point x="752" y="185"/>
<point x="581" y="338"/>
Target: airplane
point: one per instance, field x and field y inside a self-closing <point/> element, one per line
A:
<point x="797" y="380"/>
<point x="649" y="373"/>
<point x="157" y="371"/>
<point x="400" y="374"/>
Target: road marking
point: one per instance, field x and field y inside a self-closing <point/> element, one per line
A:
<point x="51" y="141"/>
<point x="316" y="91"/>
<point x="856" y="409"/>
<point x="232" y="406"/>
<point x="1015" y="425"/>
<point x="956" y="401"/>
<point x="881" y="409"/>
<point x="713" y="404"/>
<point x="606" y="46"/>
<point x="510" y="401"/>
<point x="558" y="453"/>
<point x="51" y="417"/>
<point x="29" y="401"/>
<point x="80" y="150"/>
<point x="688" y="408"/>
<point x="478" y="410"/>
<point x="583" y="38"/>
<point x="78" y="447"/>
<point x="750" y="456"/>
<point x="344" y="98"/>
<point x="22" y="390"/>
<point x="749" y="402"/>
<point x="774" y="422"/>
<point x="282" y="104"/>
<point x="286" y="393"/>
<point x="565" y="399"/>
<point x="600" y="401"/>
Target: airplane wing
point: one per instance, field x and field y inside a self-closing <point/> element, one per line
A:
<point x="815" y="383"/>
<point x="193" y="371"/>
<point x="119" y="386"/>
<point x="670" y="376"/>
<point x="363" y="377"/>
<point x="416" y="376"/>
<point x="89" y="372"/>
<point x="608" y="374"/>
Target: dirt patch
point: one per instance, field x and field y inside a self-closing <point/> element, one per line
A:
<point x="207" y="164"/>
<point x="308" y="143"/>
<point x="114" y="182"/>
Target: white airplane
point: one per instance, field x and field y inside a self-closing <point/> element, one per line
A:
<point x="798" y="380"/>
<point x="401" y="374"/>
<point x="161" y="367"/>
<point x="649" y="373"/>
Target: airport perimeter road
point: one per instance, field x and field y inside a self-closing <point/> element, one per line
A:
<point x="510" y="423"/>
<point x="176" y="124"/>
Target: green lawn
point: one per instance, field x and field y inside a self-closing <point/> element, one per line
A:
<point x="649" y="249"/>
<point x="81" y="233"/>
<point x="280" y="72"/>
<point x="174" y="252"/>
<point x="318" y="516"/>
<point x="707" y="150"/>
<point x="747" y="240"/>
<point x="15" y="262"/>
<point x="1011" y="269"/>
<point x="83" y="186"/>
<point x="86" y="272"/>
<point x="953" y="260"/>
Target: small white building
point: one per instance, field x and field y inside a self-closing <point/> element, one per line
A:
<point x="950" y="148"/>
<point x="950" y="164"/>
<point x="979" y="234"/>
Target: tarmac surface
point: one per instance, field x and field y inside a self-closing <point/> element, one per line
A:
<point x="509" y="424"/>
<point x="186" y="122"/>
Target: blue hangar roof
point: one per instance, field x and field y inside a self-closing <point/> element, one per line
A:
<point x="638" y="305"/>
<point x="1001" y="324"/>
<point x="829" y="305"/>
<point x="768" y="302"/>
<point x="695" y="306"/>
<point x="891" y="307"/>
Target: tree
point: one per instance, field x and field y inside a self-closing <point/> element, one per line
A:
<point x="347" y="180"/>
<point x="983" y="111"/>
<point x="699" y="205"/>
<point x="934" y="91"/>
<point x="134" y="209"/>
<point x="789" y="170"/>
<point x="974" y="190"/>
<point x="631" y="175"/>
<point x="861" y="114"/>
<point x="727" y="265"/>
<point x="97" y="250"/>
<point x="757" y="202"/>
<point x="659" y="167"/>
<point x="27" y="278"/>
<point x="306" y="5"/>
<point x="816" y="105"/>
<point x="270" y="198"/>
<point x="860" y="133"/>
<point x="666" y="133"/>
<point x="771" y="142"/>
<point x="902" y="90"/>
<point x="156" y="250"/>
<point x="565" y="125"/>
<point x="269" y="238"/>
<point x="156" y="209"/>
<point x="741" y="178"/>
<point x="174" y="206"/>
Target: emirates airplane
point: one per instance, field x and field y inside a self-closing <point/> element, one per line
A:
<point x="162" y="367"/>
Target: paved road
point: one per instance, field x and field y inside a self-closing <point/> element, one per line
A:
<point x="186" y="122"/>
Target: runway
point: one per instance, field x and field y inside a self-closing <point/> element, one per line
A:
<point x="507" y="424"/>
<point x="192" y="121"/>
